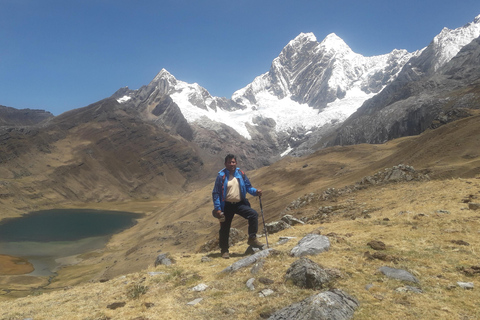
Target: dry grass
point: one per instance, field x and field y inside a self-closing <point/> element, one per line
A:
<point x="417" y="221"/>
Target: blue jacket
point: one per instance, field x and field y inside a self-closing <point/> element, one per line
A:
<point x="219" y="192"/>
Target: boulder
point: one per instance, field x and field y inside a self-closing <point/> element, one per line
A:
<point x="311" y="244"/>
<point x="305" y="273"/>
<point x="328" y="305"/>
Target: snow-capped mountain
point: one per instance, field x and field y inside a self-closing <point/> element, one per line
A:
<point x="435" y="87"/>
<point x="310" y="86"/>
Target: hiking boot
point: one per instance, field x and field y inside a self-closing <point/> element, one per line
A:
<point x="254" y="243"/>
<point x="226" y="255"/>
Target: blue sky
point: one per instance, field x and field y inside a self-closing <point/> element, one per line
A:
<point x="58" y="55"/>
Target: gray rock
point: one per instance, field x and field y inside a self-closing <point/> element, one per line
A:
<point x="257" y="266"/>
<point x="200" y="287"/>
<point x="277" y="226"/>
<point x="291" y="220"/>
<point x="194" y="302"/>
<point x="245" y="262"/>
<point x="305" y="273"/>
<point x="327" y="305"/>
<point x="266" y="293"/>
<point x="398" y="274"/>
<point x="283" y="240"/>
<point x="164" y="259"/>
<point x="409" y="288"/>
<point x="250" y="285"/>
<point x="311" y="244"/>
<point x="465" y="285"/>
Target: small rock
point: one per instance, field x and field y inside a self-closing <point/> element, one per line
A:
<point x="465" y="285"/>
<point x="291" y="220"/>
<point x="265" y="293"/>
<point x="156" y="273"/>
<point x="200" y="287"/>
<point x="194" y="302"/>
<point x="368" y="287"/>
<point x="250" y="285"/>
<point x="116" y="305"/>
<point x="265" y="281"/>
<point x="409" y="288"/>
<point x="460" y="242"/>
<point x="398" y="274"/>
<point x="257" y="266"/>
<point x="164" y="259"/>
<point x="283" y="240"/>
<point x="245" y="262"/>
<point x="474" y="206"/>
<point x="377" y="245"/>
<point x="229" y="311"/>
<point x="206" y="259"/>
<point x="277" y="226"/>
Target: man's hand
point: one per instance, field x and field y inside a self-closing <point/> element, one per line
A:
<point x="259" y="192"/>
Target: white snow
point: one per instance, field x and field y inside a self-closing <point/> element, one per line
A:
<point x="123" y="99"/>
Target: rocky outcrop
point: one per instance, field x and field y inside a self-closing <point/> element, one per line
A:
<point x="305" y="273"/>
<point x="328" y="305"/>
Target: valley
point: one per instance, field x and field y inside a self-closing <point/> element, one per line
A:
<point x="411" y="217"/>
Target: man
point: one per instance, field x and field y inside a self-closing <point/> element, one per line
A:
<point x="229" y="198"/>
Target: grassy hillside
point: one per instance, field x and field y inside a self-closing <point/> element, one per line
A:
<point x="426" y="225"/>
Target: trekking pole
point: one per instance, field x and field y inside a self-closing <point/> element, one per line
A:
<point x="264" y="228"/>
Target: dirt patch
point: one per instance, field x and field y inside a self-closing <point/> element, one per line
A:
<point x="10" y="265"/>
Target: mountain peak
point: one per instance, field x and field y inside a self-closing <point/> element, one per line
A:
<point x="334" y="42"/>
<point x="163" y="74"/>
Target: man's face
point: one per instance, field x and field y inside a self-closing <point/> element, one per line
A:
<point x="231" y="165"/>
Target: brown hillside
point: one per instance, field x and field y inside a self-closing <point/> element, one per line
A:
<point x="426" y="226"/>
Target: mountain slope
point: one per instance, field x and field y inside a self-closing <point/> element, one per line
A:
<point x="102" y="152"/>
<point x="433" y="214"/>
<point x="408" y="107"/>
<point x="11" y="117"/>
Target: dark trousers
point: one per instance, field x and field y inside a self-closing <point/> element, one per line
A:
<point x="243" y="210"/>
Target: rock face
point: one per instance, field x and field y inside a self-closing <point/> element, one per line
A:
<point x="327" y="305"/>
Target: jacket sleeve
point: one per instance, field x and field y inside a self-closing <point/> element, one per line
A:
<point x="249" y="187"/>
<point x="216" y="193"/>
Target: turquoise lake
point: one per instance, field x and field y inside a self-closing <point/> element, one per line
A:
<point x="45" y="237"/>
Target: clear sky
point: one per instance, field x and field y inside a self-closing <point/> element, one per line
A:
<point x="58" y="55"/>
